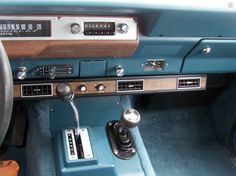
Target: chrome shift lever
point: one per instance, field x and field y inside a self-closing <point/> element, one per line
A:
<point x="65" y="92"/>
<point x="119" y="134"/>
<point x="130" y="118"/>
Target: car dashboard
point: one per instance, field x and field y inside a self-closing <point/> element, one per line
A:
<point x="99" y="57"/>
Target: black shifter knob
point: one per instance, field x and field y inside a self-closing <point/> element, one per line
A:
<point x="64" y="90"/>
<point x="130" y="118"/>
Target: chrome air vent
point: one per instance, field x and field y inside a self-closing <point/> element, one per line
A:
<point x="189" y="83"/>
<point x="36" y="90"/>
<point x="129" y="85"/>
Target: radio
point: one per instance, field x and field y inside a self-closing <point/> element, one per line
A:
<point x="99" y="28"/>
<point x="67" y="28"/>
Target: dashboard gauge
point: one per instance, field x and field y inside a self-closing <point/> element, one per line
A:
<point x="25" y="28"/>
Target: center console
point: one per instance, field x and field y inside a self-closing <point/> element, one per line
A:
<point x="78" y="153"/>
<point x="97" y="160"/>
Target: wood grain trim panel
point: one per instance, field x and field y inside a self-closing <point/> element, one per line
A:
<point x="203" y="82"/>
<point x="155" y="84"/>
<point x="160" y="84"/>
<point x="69" y="48"/>
<point x="91" y="87"/>
<point x="17" y="90"/>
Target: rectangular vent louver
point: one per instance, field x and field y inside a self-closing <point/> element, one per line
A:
<point x="189" y="83"/>
<point x="130" y="85"/>
<point x="36" y="90"/>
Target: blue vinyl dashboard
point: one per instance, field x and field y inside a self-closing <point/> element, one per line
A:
<point x="181" y="57"/>
<point x="174" y="38"/>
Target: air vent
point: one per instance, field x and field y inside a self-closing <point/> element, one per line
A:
<point x="36" y="90"/>
<point x="189" y="83"/>
<point x="130" y="85"/>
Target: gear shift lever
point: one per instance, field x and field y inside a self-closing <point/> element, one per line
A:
<point x="121" y="139"/>
<point x="130" y="118"/>
<point x="65" y="92"/>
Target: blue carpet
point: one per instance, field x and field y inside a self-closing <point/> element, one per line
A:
<point x="180" y="139"/>
<point x="39" y="154"/>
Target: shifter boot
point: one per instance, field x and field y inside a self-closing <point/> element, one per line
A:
<point x="121" y="140"/>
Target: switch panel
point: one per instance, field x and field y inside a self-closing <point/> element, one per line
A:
<point x="130" y="85"/>
<point x="52" y="71"/>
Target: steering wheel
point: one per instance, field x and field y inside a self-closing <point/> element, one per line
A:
<point x="6" y="93"/>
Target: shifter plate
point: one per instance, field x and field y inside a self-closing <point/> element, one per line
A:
<point x="121" y="140"/>
<point x="78" y="148"/>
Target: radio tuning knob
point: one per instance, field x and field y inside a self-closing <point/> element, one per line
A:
<point x="124" y="28"/>
<point x="75" y="28"/>
<point x="120" y="71"/>
<point x="21" y="74"/>
<point x="82" y="88"/>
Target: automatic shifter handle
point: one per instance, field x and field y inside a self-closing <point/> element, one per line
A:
<point x="130" y="118"/>
<point x="65" y="92"/>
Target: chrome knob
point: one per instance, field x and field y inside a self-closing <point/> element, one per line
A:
<point x="64" y="90"/>
<point x="124" y="28"/>
<point x="100" y="87"/>
<point x="82" y="88"/>
<point x="206" y="50"/>
<point x="120" y="71"/>
<point x="130" y="118"/>
<point x="75" y="28"/>
<point x="22" y="73"/>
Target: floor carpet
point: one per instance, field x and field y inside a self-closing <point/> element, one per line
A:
<point x="180" y="140"/>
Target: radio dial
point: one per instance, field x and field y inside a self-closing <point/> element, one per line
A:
<point x="124" y="28"/>
<point x="75" y="28"/>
